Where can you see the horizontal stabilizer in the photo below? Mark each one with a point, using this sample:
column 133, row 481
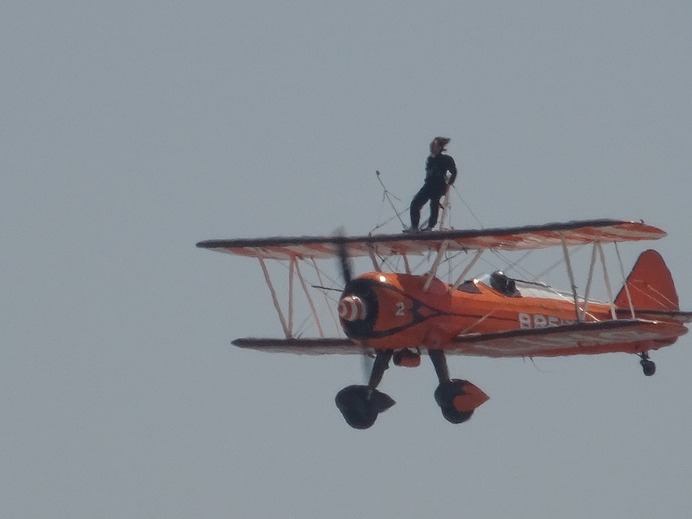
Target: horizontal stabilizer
column 668, row 315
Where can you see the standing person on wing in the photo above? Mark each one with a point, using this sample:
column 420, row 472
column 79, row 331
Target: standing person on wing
column 435, row 185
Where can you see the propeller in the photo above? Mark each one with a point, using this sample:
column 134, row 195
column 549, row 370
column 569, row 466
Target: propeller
column 360, row 404
column 346, row 271
column 344, row 260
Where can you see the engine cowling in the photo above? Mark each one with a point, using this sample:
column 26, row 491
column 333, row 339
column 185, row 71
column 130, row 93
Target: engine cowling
column 358, row 308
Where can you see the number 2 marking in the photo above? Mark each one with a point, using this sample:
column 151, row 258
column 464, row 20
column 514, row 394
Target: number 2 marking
column 400, row 309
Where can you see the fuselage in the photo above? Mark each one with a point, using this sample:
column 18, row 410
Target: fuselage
column 396, row 311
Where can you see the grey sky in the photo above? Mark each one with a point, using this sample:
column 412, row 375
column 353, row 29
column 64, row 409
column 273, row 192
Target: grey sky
column 132, row 130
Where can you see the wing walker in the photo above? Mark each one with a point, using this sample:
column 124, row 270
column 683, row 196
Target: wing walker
column 396, row 316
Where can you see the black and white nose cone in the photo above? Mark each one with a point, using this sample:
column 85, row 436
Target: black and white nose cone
column 352, row 308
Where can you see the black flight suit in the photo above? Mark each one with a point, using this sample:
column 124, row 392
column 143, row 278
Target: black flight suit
column 434, row 188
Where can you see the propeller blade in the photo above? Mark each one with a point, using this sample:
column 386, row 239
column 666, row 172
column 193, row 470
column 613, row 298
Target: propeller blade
column 346, row 269
column 344, row 263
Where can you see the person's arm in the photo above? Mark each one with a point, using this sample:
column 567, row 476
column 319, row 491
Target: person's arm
column 452, row 168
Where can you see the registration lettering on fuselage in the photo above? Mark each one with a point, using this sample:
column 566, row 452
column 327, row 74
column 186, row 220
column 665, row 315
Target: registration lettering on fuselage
column 540, row 320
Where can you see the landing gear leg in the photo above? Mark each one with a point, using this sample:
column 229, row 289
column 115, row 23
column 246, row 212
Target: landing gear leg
column 360, row 405
column 457, row 398
column 648, row 365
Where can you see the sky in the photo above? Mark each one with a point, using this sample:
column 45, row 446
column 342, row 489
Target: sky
column 132, row 130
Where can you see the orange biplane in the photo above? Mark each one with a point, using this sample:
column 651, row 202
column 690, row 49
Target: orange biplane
column 397, row 317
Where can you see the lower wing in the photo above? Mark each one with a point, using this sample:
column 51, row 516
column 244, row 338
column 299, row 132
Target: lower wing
column 622, row 335
column 311, row 346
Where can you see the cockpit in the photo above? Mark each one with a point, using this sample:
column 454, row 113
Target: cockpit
column 503, row 284
column 498, row 281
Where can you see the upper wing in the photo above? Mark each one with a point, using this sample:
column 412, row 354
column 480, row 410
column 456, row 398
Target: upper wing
column 508, row 238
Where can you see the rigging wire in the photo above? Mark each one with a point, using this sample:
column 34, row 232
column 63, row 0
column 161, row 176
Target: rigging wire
column 468, row 207
column 388, row 198
column 516, row 265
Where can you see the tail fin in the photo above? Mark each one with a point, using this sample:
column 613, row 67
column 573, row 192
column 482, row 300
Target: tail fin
column 650, row 285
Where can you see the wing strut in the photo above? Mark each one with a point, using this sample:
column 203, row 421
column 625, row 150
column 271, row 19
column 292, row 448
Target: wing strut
column 606, row 280
column 570, row 273
column 286, row 320
column 287, row 330
column 373, row 258
column 406, row 264
column 310, row 301
column 324, row 294
column 436, row 264
column 291, row 270
column 463, row 275
column 626, row 284
column 588, row 283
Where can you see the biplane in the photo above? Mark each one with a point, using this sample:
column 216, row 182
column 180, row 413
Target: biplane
column 396, row 317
